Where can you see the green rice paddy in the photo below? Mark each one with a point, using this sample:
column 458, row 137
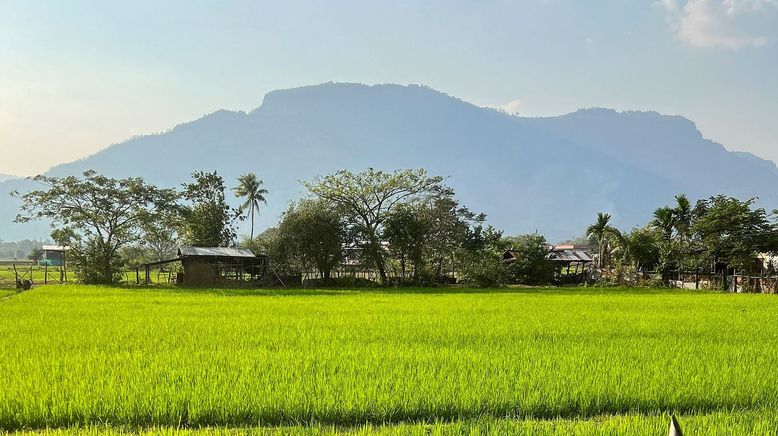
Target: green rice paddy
column 92, row 359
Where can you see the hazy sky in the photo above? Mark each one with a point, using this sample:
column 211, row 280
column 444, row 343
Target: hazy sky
column 76, row 76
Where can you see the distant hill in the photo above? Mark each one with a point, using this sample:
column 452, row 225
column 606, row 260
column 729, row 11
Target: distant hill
column 546, row 174
column 4, row 177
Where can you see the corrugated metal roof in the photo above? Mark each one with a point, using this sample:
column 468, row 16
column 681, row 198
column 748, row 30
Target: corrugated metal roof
column 215, row 251
column 53, row 248
column 570, row 256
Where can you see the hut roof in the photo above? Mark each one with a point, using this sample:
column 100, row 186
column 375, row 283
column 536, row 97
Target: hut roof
column 53, row 248
column 215, row 252
column 570, row 256
column 554, row 255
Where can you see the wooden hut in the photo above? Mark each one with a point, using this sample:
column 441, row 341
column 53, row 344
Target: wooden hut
column 212, row 266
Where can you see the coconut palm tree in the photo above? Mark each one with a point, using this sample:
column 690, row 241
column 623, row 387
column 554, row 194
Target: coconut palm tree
column 682, row 224
column 683, row 215
column 250, row 187
column 600, row 231
column 664, row 221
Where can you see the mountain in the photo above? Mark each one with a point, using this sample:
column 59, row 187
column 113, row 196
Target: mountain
column 4, row 177
column 547, row 174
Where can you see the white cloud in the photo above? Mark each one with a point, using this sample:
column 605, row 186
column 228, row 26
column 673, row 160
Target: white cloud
column 730, row 24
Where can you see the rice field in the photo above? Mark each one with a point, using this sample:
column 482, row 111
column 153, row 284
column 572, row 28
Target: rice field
column 424, row 361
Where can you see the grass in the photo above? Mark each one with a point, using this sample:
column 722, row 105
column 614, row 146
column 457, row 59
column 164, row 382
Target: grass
column 414, row 361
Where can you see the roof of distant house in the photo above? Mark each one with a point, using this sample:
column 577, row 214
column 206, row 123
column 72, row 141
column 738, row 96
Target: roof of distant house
column 215, row 252
column 54, row 248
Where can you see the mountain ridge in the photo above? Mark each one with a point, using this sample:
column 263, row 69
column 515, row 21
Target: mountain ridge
column 546, row 173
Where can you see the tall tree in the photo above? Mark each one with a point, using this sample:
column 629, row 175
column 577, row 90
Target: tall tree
column 313, row 233
column 531, row 265
column 600, row 231
column 208, row 219
column 682, row 223
column 732, row 232
column 250, row 188
column 427, row 233
column 97, row 216
column 638, row 247
column 368, row 198
column 664, row 221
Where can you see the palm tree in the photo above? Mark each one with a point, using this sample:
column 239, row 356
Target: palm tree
column 682, row 224
column 250, row 187
column 600, row 231
column 683, row 215
column 664, row 221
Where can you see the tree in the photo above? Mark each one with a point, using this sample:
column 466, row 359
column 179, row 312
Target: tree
column 250, row 188
column 682, row 213
column 406, row 231
column 96, row 216
column 208, row 218
column 732, row 232
column 638, row 247
column 600, row 231
column 664, row 222
column 427, row 233
column 481, row 257
column 531, row 265
column 369, row 197
column 313, row 233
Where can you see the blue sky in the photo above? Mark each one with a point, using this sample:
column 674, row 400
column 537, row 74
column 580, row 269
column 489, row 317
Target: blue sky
column 77, row 76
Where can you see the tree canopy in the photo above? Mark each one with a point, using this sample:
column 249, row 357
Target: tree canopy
column 368, row 197
column 96, row 216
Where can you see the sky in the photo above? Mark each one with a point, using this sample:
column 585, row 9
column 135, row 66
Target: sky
column 77, row 76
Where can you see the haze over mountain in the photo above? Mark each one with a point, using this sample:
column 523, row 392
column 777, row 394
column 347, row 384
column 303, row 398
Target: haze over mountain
column 547, row 174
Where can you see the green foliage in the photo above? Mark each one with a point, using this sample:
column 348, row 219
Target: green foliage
column 601, row 231
column 96, row 216
column 531, row 266
column 369, row 197
column 208, row 219
column 280, row 255
column 427, row 234
column 92, row 262
column 719, row 233
column 733, row 232
column 481, row 258
column 250, row 188
column 617, row 360
column 639, row 248
column 312, row 235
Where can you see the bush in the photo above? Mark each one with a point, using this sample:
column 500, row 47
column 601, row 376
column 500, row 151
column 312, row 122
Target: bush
column 484, row 271
column 95, row 264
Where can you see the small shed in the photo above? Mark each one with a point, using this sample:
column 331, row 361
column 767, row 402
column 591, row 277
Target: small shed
column 210, row 266
column 563, row 257
column 52, row 255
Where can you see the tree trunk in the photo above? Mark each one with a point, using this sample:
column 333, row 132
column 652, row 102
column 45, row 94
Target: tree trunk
column 251, row 237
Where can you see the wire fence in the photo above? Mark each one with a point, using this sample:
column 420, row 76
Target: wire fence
column 14, row 272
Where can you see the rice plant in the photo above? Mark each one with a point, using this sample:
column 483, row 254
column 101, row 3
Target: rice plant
column 589, row 361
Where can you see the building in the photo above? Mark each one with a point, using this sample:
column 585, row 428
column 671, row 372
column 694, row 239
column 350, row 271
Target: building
column 563, row 257
column 52, row 255
column 212, row 266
